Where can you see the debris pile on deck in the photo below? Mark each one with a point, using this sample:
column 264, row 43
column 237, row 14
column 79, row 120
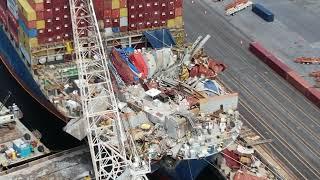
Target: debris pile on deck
column 173, row 107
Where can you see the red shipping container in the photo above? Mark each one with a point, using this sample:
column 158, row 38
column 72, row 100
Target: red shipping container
column 132, row 27
column 156, row 5
column 57, row 20
column 3, row 17
column 66, row 18
column 156, row 15
column 3, row 5
column 124, row 29
column 278, row 66
column 99, row 14
column 98, row 4
column 107, row 13
column 67, row 26
column 140, row 17
column 48, row 14
column 133, row 18
column 42, row 40
column 49, row 32
column 163, row 6
column 67, row 36
column 178, row 3
column 115, row 13
column 171, row 5
column 12, row 20
column 147, row 15
column 132, row 2
column 156, row 23
column 116, row 22
column 148, row 6
column 259, row 51
column 298, row 82
column 132, row 8
column 107, row 23
column 140, row 25
column 98, row 7
column 171, row 14
column 313, row 95
column 140, row 8
column 40, row 15
column 59, row 37
column 148, row 24
column 47, row 4
column 163, row 23
column 178, row 11
column 36, row 6
column 59, row 3
column 164, row 15
column 107, row 4
column 123, row 3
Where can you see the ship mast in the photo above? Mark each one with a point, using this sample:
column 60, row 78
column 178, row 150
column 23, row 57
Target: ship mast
column 112, row 148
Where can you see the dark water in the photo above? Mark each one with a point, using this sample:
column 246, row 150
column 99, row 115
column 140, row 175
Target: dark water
column 35, row 116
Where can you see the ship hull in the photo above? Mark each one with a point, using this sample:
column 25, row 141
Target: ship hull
column 10, row 58
column 183, row 169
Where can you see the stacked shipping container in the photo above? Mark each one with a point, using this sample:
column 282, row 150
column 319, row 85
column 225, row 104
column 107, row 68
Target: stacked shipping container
column 154, row 13
column 123, row 15
column 32, row 23
column 56, row 14
column 43, row 21
column 9, row 16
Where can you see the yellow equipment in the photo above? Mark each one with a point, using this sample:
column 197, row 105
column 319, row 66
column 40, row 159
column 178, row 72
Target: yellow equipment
column 69, row 48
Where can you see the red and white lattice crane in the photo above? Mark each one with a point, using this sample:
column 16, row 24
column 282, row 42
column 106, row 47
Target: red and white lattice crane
column 113, row 152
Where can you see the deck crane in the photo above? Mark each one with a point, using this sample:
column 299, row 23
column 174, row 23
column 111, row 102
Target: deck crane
column 113, row 152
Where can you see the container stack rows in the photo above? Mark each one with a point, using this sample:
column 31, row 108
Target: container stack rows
column 127, row 15
column 112, row 15
column 8, row 16
column 34, row 23
column 154, row 13
column 56, row 14
column 42, row 22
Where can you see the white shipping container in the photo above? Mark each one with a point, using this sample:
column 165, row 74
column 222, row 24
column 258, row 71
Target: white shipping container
column 51, row 58
column 108, row 31
column 123, row 21
column 13, row 8
column 59, row 57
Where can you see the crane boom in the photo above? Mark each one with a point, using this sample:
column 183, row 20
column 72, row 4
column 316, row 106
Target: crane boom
column 110, row 145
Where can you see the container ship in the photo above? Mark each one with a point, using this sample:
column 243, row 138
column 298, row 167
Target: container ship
column 169, row 97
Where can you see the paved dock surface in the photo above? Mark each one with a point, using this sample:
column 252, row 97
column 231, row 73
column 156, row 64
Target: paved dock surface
column 269, row 105
column 292, row 34
column 70, row 164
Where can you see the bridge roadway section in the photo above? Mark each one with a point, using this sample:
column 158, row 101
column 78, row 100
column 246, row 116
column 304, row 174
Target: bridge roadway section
column 269, row 105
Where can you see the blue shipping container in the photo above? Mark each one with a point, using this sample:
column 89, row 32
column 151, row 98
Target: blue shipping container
column 115, row 29
column 263, row 12
column 30, row 32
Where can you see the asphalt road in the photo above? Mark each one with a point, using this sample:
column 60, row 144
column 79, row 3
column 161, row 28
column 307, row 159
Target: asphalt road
column 268, row 104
